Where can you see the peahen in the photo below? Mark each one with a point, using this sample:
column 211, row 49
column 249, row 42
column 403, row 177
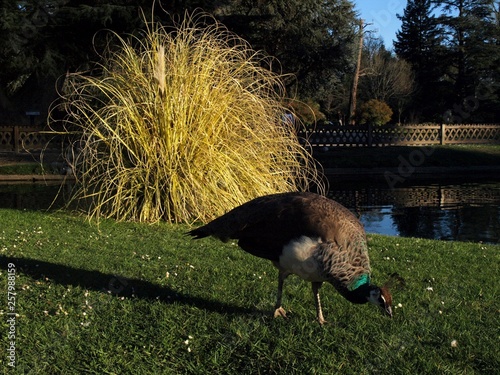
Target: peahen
column 307, row 235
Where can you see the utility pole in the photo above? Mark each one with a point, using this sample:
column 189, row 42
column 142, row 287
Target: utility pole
column 354, row 89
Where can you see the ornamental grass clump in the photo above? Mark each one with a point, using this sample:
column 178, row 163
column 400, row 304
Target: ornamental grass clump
column 181, row 125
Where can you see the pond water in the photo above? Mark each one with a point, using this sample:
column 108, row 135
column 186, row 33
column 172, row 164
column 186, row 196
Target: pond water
column 463, row 211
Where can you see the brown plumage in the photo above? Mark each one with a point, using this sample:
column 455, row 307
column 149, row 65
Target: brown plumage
column 308, row 235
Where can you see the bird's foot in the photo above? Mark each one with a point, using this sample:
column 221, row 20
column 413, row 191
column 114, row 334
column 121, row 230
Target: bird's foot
column 321, row 320
column 280, row 311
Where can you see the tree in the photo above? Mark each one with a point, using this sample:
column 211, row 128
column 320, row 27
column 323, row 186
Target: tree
column 312, row 40
column 455, row 57
column 386, row 77
column 419, row 43
column 419, row 35
column 43, row 39
column 470, row 29
column 375, row 112
column 21, row 51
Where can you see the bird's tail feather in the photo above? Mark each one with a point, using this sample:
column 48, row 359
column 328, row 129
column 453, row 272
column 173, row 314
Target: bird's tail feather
column 198, row 233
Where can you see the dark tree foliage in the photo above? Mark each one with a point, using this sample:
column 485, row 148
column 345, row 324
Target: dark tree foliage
column 22, row 49
column 470, row 29
column 420, row 43
column 312, row 39
column 43, row 39
column 453, row 47
column 419, row 35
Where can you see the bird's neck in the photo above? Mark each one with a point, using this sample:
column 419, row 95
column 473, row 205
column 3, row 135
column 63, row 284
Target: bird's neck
column 359, row 295
column 358, row 292
column 359, row 281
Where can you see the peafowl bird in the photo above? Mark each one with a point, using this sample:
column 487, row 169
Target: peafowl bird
column 307, row 235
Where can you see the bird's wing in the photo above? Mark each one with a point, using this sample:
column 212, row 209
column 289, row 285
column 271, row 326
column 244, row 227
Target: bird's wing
column 265, row 224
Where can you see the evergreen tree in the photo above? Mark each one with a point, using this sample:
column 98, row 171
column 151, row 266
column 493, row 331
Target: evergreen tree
column 419, row 43
column 419, row 35
column 473, row 55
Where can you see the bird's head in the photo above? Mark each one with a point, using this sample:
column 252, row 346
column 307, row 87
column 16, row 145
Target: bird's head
column 380, row 296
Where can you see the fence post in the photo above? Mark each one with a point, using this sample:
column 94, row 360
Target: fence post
column 442, row 141
column 370, row 129
column 16, row 138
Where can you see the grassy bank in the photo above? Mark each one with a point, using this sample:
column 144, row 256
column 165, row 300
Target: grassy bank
column 390, row 157
column 128, row 298
column 33, row 163
column 338, row 157
column 30, row 168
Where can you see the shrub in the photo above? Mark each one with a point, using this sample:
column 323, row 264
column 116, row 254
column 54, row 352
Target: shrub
column 375, row 112
column 181, row 125
column 307, row 111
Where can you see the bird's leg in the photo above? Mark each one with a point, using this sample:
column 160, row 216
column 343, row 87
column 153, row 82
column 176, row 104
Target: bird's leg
column 319, row 312
column 280, row 311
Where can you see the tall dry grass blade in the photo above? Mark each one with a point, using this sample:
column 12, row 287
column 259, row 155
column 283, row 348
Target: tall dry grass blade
column 159, row 70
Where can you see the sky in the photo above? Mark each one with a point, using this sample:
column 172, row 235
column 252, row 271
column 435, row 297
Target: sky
column 382, row 15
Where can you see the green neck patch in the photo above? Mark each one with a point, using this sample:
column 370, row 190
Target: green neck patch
column 361, row 280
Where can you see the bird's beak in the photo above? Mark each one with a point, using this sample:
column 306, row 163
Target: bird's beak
column 388, row 310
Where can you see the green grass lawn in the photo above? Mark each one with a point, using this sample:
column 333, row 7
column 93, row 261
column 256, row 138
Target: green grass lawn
column 127, row 298
column 347, row 157
column 23, row 168
column 390, row 157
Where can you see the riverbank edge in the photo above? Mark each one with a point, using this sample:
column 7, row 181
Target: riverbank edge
column 413, row 172
column 345, row 173
column 35, row 178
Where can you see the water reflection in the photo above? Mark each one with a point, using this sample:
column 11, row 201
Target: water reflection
column 464, row 212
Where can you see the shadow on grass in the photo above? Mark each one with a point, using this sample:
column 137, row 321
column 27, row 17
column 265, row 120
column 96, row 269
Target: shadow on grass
column 114, row 284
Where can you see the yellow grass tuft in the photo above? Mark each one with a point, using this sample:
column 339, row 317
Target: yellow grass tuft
column 182, row 125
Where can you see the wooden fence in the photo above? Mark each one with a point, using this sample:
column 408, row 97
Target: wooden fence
column 405, row 135
column 19, row 138
column 29, row 138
